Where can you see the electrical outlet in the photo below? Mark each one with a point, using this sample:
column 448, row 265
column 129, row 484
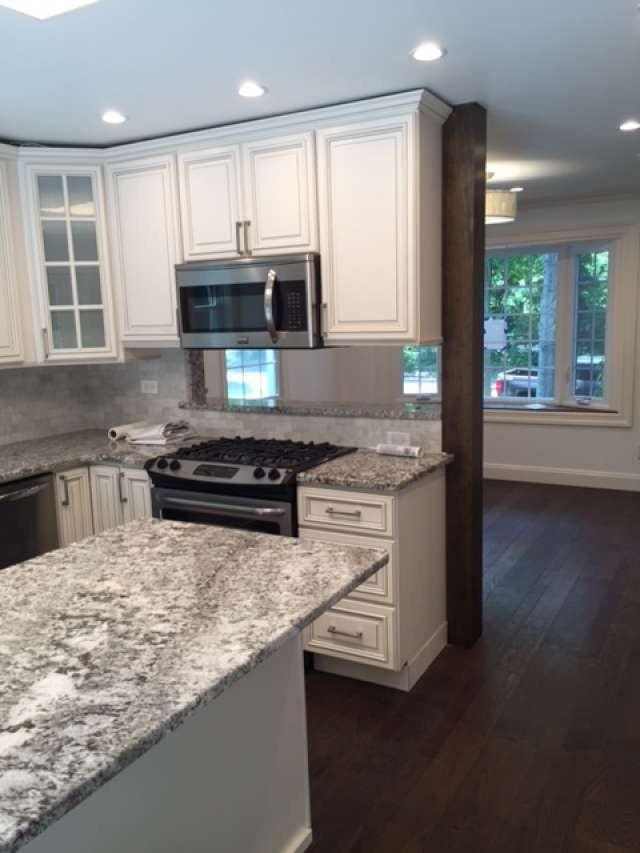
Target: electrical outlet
column 398, row 438
column 149, row 386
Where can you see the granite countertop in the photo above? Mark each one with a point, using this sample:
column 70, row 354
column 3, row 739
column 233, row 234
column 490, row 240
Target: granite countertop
column 109, row 644
column 411, row 410
column 373, row 472
column 59, row 452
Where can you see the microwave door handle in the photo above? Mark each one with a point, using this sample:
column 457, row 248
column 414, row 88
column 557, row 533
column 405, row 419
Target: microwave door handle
column 272, row 280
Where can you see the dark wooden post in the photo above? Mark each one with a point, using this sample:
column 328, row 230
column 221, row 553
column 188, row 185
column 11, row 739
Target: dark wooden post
column 464, row 168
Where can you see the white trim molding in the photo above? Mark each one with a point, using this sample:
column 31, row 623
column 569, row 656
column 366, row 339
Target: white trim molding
column 621, row 330
column 581, row 477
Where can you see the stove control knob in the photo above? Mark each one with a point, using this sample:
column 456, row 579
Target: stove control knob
column 258, row 473
column 174, row 465
column 162, row 463
column 274, row 474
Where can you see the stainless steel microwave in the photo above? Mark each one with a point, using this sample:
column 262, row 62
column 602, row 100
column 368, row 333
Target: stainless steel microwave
column 256, row 303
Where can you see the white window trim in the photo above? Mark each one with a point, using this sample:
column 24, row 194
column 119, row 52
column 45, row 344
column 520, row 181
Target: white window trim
column 621, row 327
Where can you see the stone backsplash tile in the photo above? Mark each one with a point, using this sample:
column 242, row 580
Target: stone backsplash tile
column 40, row 401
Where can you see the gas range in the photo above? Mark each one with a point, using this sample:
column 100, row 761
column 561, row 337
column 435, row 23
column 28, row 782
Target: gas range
column 241, row 461
column 248, row 483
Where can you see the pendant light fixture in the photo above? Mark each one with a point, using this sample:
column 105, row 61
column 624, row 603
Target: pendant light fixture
column 500, row 206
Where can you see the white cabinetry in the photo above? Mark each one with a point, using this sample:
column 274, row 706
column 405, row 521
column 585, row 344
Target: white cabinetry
column 66, row 245
column 119, row 495
column 73, row 498
column 144, row 228
column 392, row 627
column 379, row 190
column 257, row 198
column 11, row 351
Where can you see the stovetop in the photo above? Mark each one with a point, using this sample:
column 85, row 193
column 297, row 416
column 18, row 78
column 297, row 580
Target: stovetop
column 238, row 461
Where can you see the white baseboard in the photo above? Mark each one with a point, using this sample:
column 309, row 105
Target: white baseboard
column 563, row 476
column 402, row 679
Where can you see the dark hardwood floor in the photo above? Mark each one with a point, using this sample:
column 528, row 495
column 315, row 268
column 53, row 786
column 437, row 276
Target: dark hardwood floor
column 530, row 741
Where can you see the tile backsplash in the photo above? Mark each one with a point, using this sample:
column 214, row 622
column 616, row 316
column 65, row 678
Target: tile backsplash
column 40, row 401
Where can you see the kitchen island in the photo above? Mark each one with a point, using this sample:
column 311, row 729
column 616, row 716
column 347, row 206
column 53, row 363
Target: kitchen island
column 151, row 689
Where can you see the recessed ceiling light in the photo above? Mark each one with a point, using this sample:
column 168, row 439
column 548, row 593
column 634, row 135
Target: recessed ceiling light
column 630, row 124
column 517, row 189
column 428, row 51
column 251, row 89
column 113, row 117
column 43, row 9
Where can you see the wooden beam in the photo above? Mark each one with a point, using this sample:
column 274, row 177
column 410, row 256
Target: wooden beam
column 464, row 168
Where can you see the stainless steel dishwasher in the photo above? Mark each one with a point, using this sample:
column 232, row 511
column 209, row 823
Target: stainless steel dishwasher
column 27, row 519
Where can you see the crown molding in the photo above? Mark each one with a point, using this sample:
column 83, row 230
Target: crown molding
column 414, row 100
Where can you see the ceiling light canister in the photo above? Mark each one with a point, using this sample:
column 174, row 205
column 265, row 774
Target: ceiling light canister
column 251, row 89
column 113, row 117
column 428, row 51
column 629, row 125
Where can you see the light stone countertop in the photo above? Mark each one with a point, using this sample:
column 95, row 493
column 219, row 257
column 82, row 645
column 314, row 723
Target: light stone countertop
column 59, row 452
column 109, row 644
column 373, row 472
column 363, row 469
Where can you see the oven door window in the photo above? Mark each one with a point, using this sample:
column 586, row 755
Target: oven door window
column 195, row 517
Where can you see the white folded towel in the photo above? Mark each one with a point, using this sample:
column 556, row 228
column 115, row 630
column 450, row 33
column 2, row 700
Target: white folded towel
column 163, row 433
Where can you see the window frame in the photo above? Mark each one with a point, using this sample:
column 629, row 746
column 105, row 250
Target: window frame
column 416, row 398
column 617, row 409
column 261, row 401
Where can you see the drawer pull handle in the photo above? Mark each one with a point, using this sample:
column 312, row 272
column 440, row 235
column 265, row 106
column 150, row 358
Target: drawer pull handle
column 355, row 635
column 351, row 513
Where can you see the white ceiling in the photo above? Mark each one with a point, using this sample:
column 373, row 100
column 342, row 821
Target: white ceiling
column 557, row 76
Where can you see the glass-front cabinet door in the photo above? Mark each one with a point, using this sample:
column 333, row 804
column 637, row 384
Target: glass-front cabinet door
column 74, row 286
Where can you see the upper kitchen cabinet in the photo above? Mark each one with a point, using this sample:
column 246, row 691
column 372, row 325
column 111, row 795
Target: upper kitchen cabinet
column 379, row 188
column 253, row 198
column 11, row 351
column 143, row 217
column 66, row 247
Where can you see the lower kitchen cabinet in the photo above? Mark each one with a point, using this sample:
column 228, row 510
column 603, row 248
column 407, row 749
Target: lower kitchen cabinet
column 119, row 495
column 391, row 628
column 73, row 504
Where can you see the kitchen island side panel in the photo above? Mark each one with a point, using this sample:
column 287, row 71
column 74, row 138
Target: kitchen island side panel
column 233, row 777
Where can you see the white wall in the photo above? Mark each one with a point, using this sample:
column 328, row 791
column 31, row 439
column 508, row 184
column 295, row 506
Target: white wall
column 601, row 456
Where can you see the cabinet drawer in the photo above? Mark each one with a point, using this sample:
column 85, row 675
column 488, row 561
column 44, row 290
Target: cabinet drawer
column 379, row 588
column 354, row 631
column 356, row 511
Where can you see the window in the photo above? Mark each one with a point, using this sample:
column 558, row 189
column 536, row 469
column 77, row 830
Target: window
column 72, row 267
column 545, row 324
column 252, row 375
column 421, row 371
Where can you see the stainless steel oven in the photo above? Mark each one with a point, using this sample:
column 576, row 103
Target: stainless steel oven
column 260, row 514
column 256, row 303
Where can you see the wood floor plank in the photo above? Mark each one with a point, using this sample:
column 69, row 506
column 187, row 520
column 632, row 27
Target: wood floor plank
column 529, row 741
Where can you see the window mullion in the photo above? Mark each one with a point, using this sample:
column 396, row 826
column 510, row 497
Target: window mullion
column 564, row 327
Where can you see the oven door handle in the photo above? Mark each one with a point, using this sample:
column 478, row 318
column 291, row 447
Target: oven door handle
column 225, row 509
column 272, row 280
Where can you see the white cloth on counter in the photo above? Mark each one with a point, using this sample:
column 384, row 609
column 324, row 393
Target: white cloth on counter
column 143, row 432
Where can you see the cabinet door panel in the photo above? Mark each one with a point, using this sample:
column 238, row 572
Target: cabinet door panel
column 10, row 339
column 210, row 202
column 364, row 227
column 144, row 226
column 137, row 491
column 73, row 493
column 280, row 194
column 107, row 509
